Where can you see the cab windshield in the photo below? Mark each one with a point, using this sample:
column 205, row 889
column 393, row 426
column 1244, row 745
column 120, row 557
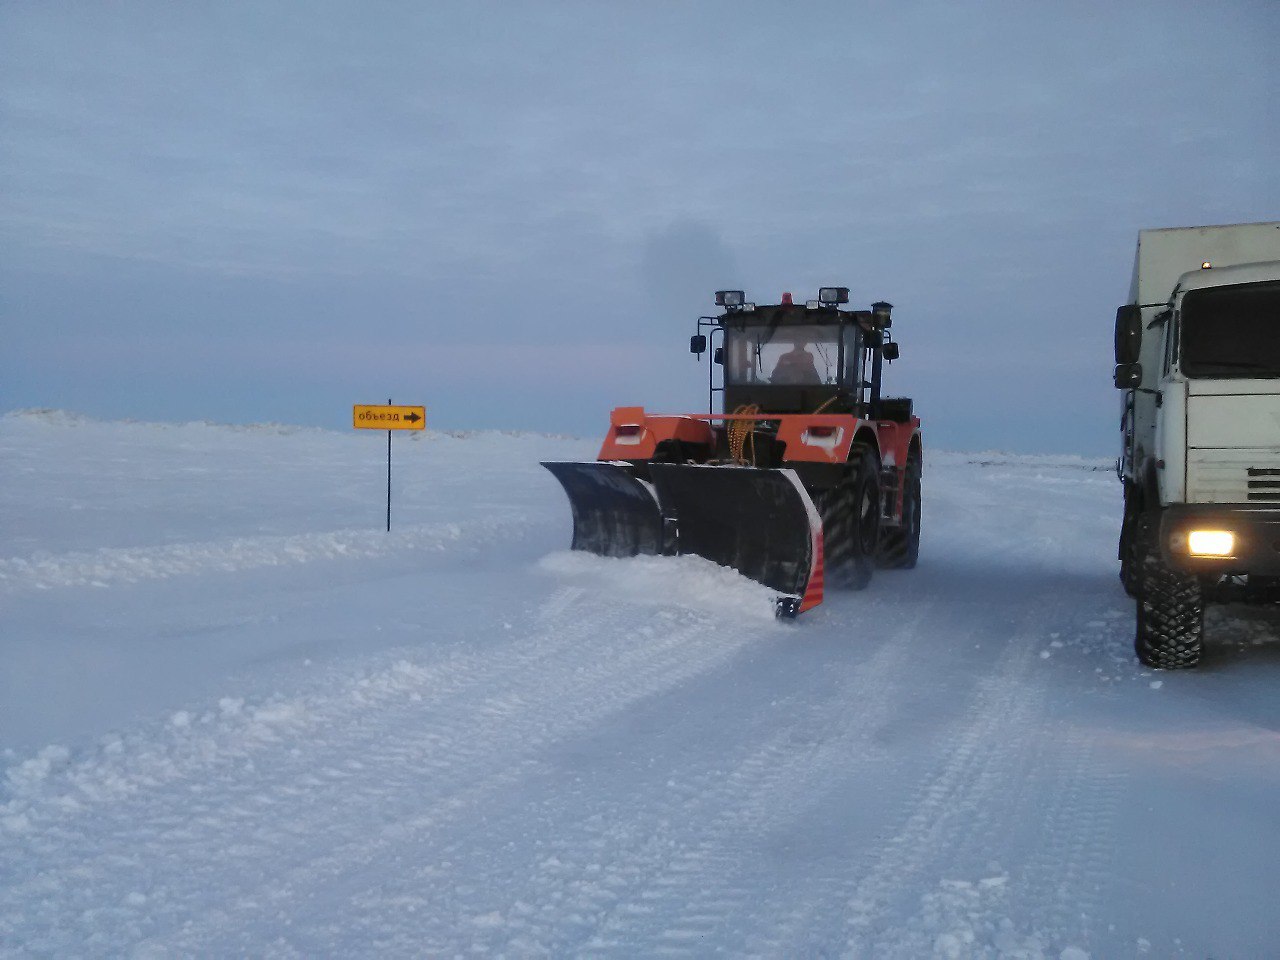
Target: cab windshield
column 1232, row 331
column 792, row 355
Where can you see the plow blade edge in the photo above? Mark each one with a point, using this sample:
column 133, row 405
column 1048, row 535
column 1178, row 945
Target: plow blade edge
column 762, row 523
column 614, row 514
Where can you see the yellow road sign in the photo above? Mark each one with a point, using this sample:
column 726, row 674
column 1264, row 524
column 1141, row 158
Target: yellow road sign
column 383, row 416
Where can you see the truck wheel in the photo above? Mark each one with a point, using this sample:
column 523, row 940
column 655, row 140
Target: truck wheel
column 1134, row 545
column 851, row 526
column 1170, row 632
column 900, row 546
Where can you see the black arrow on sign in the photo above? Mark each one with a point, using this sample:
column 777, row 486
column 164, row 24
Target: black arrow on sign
column 412, row 417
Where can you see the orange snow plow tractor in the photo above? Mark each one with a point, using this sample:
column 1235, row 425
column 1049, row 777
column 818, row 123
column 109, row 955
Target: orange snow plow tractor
column 807, row 479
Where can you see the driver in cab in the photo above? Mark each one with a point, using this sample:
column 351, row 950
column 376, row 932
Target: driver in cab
column 796, row 366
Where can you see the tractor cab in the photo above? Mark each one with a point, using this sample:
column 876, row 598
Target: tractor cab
column 797, row 358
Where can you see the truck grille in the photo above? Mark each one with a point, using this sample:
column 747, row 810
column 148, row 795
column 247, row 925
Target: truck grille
column 1264, row 483
column 1233, row 476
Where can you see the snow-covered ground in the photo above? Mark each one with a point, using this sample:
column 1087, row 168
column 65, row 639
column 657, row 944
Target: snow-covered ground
column 237, row 717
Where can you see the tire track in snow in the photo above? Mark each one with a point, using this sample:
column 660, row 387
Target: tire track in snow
column 706, row 899
column 1058, row 887
column 996, row 776
column 366, row 792
column 703, row 888
column 1054, row 893
column 949, row 808
column 806, row 914
column 697, row 881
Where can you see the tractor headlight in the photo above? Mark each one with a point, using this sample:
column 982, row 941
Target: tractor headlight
column 830, row 296
column 1211, row 543
column 729, row 298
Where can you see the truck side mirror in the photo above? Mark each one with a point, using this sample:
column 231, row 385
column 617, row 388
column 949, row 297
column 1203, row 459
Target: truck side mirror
column 1128, row 376
column 890, row 350
column 1128, row 334
column 718, row 356
column 698, row 344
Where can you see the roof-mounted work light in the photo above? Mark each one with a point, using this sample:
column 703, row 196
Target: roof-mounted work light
column 730, row 299
column 882, row 314
column 830, row 296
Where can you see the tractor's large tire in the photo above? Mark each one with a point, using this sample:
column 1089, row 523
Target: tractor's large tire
column 851, row 526
column 834, row 506
column 900, row 545
column 1170, row 634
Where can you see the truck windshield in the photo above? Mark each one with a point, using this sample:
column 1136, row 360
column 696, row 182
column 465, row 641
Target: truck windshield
column 799, row 354
column 1232, row 331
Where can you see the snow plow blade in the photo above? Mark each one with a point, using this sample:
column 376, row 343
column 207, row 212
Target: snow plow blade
column 761, row 523
column 614, row 514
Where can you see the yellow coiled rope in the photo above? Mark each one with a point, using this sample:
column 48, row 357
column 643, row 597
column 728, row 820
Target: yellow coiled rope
column 742, row 434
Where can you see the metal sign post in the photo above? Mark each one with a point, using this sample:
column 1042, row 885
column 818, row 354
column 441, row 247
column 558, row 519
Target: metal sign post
column 388, row 475
column 367, row 416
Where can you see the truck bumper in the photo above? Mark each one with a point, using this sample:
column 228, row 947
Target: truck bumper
column 1256, row 530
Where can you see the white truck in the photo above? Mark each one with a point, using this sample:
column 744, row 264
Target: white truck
column 1198, row 361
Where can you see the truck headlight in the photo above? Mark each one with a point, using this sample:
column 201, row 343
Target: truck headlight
column 1211, row 543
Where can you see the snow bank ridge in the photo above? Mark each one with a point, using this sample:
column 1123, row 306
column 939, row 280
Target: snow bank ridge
column 52, row 782
column 224, row 737
column 109, row 566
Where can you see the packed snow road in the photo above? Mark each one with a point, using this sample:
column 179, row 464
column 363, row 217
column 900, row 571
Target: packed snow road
column 239, row 719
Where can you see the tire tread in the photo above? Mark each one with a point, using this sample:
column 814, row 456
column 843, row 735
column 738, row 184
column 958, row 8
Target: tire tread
column 1170, row 632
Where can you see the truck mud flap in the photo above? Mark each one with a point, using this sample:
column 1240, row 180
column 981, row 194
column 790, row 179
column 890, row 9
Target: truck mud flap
column 762, row 523
column 614, row 513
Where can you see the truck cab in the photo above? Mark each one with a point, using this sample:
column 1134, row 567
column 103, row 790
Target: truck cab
column 1198, row 359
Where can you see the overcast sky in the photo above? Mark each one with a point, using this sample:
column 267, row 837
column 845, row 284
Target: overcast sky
column 514, row 212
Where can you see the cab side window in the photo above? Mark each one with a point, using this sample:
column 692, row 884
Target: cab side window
column 852, row 358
